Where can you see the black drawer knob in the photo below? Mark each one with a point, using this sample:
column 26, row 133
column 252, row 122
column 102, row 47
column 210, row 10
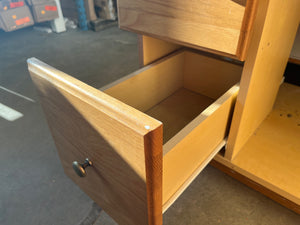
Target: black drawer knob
column 79, row 168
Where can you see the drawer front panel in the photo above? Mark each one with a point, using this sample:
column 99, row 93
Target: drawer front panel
column 213, row 24
column 86, row 123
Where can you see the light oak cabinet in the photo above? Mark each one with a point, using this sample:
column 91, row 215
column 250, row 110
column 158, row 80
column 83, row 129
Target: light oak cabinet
column 149, row 134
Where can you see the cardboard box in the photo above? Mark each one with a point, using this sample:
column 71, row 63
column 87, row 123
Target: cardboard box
column 44, row 12
column 16, row 18
column 16, row 3
column 106, row 9
column 69, row 9
column 10, row 4
column 4, row 5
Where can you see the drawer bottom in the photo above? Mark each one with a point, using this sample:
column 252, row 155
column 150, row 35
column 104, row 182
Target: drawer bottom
column 178, row 110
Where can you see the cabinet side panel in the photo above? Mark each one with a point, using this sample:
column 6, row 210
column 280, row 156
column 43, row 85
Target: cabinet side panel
column 273, row 35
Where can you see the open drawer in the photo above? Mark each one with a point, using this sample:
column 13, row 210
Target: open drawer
column 147, row 135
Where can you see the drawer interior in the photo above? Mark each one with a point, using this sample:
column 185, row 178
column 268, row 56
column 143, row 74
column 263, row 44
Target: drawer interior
column 193, row 96
column 178, row 109
column 176, row 89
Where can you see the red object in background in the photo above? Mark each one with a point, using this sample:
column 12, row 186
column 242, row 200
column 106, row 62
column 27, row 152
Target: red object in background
column 50, row 8
column 16, row 4
column 22, row 21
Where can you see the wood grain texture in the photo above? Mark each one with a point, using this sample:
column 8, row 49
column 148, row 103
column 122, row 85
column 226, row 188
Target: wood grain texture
column 153, row 142
column 212, row 24
column 124, row 145
column 246, row 29
column 152, row 49
column 265, row 63
column 271, row 156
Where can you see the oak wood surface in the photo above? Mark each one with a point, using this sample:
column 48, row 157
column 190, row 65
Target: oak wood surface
column 213, row 24
column 264, row 66
column 153, row 142
column 246, row 29
column 124, row 145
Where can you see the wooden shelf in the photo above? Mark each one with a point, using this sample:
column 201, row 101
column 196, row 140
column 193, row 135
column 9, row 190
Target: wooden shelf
column 271, row 157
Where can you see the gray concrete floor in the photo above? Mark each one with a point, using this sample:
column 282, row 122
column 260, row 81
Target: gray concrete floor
column 34, row 189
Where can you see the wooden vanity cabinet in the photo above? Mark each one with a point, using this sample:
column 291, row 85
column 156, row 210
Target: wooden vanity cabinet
column 149, row 134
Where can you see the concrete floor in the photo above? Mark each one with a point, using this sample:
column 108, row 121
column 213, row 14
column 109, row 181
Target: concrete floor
column 34, row 189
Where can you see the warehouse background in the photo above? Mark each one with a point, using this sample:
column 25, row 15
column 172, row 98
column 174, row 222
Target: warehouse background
column 87, row 14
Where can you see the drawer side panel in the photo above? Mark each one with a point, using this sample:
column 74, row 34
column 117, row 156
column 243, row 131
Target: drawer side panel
column 191, row 147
